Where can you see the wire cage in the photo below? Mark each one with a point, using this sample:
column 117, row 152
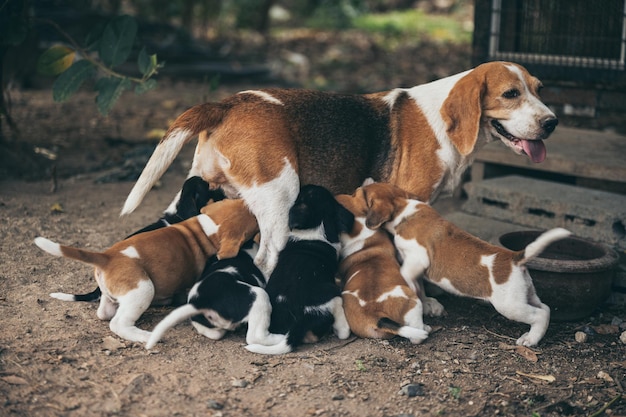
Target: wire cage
column 568, row 40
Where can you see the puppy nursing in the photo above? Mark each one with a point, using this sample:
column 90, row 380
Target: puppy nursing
column 377, row 301
column 229, row 294
column 152, row 267
column 458, row 262
column 306, row 301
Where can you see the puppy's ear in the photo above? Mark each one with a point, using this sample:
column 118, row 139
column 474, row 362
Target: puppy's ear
column 345, row 219
column 462, row 110
column 379, row 210
column 229, row 248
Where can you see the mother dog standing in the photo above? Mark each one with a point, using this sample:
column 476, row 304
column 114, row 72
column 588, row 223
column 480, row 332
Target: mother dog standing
column 260, row 145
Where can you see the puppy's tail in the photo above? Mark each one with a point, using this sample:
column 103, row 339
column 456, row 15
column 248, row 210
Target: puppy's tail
column 185, row 127
column 414, row 334
column 93, row 258
column 176, row 316
column 280, row 348
column 542, row 242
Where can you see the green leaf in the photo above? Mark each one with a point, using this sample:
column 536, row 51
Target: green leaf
column 145, row 86
column 117, row 40
column 147, row 64
column 109, row 90
column 92, row 40
column 70, row 80
column 55, row 60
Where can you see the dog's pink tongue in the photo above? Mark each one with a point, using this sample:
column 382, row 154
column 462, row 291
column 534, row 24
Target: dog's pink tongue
column 535, row 149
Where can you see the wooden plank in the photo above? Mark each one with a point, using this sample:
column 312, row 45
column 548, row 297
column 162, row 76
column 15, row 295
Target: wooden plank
column 577, row 152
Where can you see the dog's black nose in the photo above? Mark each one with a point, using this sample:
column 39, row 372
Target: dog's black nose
column 550, row 124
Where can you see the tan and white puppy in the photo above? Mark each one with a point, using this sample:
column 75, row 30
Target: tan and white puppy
column 260, row 145
column 377, row 301
column 458, row 262
column 152, row 267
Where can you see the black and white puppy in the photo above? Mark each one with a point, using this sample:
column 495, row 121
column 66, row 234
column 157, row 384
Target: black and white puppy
column 194, row 195
column 229, row 293
column 306, row 301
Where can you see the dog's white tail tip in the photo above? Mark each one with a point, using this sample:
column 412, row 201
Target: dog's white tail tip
column 544, row 240
column 63, row 296
column 49, row 246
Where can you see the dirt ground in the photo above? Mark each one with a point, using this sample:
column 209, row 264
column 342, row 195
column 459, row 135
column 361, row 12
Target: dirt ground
column 58, row 359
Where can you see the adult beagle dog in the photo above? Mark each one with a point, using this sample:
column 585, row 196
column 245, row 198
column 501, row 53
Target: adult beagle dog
column 260, row 145
column 460, row 263
column 150, row 268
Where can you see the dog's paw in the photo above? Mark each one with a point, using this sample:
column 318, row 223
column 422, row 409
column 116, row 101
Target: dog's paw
column 433, row 308
column 526, row 340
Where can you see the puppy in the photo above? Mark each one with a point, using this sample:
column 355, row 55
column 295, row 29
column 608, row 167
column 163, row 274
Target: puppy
column 229, row 294
column 306, row 301
column 152, row 267
column 377, row 301
column 457, row 261
column 194, row 195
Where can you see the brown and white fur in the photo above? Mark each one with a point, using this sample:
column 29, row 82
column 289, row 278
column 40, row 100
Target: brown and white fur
column 458, row 262
column 377, row 301
column 260, row 145
column 152, row 267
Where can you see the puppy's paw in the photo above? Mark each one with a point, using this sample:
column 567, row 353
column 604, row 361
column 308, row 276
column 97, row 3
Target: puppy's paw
column 526, row 340
column 433, row 308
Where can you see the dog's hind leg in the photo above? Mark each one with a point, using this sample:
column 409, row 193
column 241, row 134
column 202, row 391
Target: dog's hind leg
column 340, row 325
column 131, row 306
column 259, row 320
column 270, row 203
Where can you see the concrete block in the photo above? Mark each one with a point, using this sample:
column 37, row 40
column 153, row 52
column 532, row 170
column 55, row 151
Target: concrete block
column 538, row 204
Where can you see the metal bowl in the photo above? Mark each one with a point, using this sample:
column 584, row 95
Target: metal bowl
column 572, row 276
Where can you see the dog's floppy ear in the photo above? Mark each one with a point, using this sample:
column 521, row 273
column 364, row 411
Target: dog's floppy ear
column 379, row 210
column 345, row 219
column 229, row 248
column 462, row 110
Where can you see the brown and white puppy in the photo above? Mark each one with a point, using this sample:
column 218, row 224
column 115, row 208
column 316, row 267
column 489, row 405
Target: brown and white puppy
column 152, row 267
column 377, row 301
column 458, row 262
column 260, row 145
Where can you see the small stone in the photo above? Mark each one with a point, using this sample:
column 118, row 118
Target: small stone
column 622, row 337
column 581, row 337
column 215, row 405
column 412, row 390
column 239, row 383
column 616, row 321
column 604, row 376
column 338, row 397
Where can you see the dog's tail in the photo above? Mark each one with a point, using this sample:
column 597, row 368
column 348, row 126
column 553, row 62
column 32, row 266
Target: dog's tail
column 185, row 127
column 535, row 248
column 176, row 316
column 89, row 297
column 92, row 258
column 414, row 334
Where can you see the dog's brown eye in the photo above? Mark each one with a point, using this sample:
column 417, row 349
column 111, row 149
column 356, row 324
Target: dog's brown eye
column 512, row 93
